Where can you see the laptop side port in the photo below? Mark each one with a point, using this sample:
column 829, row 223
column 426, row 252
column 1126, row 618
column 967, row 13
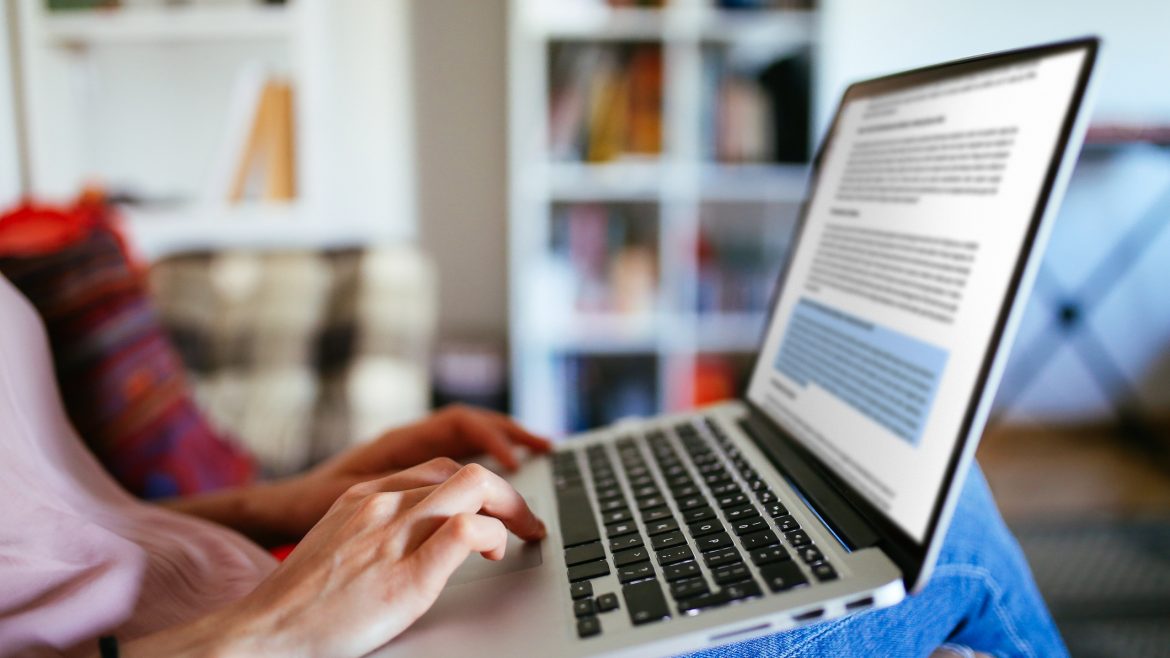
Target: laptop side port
column 815, row 613
column 867, row 602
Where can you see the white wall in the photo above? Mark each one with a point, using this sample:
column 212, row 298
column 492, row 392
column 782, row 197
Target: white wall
column 9, row 169
column 862, row 38
column 461, row 144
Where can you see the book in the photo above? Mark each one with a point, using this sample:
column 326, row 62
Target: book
column 605, row 101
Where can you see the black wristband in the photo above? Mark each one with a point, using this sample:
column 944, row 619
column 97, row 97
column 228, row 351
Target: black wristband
column 108, row 646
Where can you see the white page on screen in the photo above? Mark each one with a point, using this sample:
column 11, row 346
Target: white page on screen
column 913, row 232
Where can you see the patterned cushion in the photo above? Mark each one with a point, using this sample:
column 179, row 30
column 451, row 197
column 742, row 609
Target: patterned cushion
column 301, row 353
column 123, row 385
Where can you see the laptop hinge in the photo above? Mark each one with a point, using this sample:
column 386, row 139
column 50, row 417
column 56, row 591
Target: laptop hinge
column 833, row 508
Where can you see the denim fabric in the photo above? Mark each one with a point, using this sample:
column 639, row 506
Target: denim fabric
column 981, row 596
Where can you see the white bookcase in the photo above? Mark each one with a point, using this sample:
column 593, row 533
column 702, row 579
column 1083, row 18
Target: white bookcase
column 146, row 97
column 687, row 192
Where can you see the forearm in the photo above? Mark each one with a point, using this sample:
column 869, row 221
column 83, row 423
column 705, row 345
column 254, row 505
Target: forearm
column 247, row 510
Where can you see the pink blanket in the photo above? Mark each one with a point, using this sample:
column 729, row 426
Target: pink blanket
column 80, row 557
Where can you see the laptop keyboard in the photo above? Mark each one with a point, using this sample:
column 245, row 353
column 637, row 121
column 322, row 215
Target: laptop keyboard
column 679, row 561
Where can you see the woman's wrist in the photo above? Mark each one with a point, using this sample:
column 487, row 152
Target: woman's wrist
column 227, row 633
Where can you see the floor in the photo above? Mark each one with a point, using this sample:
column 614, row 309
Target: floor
column 1092, row 512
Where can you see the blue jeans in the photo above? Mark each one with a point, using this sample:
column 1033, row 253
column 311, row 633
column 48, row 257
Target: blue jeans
column 981, row 597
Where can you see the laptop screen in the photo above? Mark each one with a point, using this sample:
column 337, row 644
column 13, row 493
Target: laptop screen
column 914, row 229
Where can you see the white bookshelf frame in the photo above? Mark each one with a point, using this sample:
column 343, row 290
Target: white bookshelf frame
column 678, row 182
column 313, row 37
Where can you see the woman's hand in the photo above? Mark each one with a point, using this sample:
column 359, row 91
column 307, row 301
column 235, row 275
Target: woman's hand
column 290, row 507
column 373, row 565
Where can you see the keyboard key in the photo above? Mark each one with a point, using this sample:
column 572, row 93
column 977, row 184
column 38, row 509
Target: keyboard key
column 659, row 527
column 619, row 529
column 766, row 497
column 647, row 490
column 667, row 540
column 613, row 505
column 607, row 602
column 776, row 509
column 809, row 554
column 713, row 479
column 588, row 627
column 581, row 590
column 606, row 483
column 578, row 525
column 722, row 557
column 690, row 588
column 742, row 528
column 729, row 488
column 681, row 570
column 584, row 553
column 645, row 602
column 692, row 502
column 622, row 543
column 724, row 596
column 745, row 590
column 798, row 538
column 740, row 513
column 684, row 491
column 650, row 502
column 731, row 574
column 676, row 554
column 704, row 528
column 787, row 524
column 588, row 570
column 656, row 514
column 780, row 576
column 616, row 516
column 584, row 608
column 698, row 514
column 642, row 481
column 731, row 500
column 635, row 571
column 759, row 539
column 630, row 556
column 713, row 542
column 769, row 555
column 823, row 571
column 678, row 480
column 608, row 493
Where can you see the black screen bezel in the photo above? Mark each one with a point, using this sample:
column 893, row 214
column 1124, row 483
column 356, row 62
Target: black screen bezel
column 909, row 553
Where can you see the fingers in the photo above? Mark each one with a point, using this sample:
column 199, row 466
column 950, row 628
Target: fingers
column 488, row 438
column 474, row 489
column 434, row 471
column 521, row 435
column 443, row 552
column 496, row 433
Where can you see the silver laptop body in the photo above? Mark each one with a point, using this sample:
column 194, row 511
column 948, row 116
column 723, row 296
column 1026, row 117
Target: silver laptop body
column 808, row 521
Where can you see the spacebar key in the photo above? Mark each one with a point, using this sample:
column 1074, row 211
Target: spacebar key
column 645, row 602
column 578, row 525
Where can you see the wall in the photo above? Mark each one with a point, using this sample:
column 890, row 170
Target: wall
column 861, row 38
column 9, row 169
column 461, row 120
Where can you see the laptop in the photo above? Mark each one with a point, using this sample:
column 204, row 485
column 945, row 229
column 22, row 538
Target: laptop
column 827, row 489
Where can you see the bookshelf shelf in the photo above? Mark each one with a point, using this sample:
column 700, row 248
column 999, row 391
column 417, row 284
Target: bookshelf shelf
column 593, row 21
column 660, row 120
column 614, row 181
column 168, row 24
column 775, row 26
column 753, row 182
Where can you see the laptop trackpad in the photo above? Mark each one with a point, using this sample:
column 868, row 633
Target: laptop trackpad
column 519, row 555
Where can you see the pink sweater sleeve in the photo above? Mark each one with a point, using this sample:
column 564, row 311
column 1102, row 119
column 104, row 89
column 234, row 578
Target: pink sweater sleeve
column 80, row 557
